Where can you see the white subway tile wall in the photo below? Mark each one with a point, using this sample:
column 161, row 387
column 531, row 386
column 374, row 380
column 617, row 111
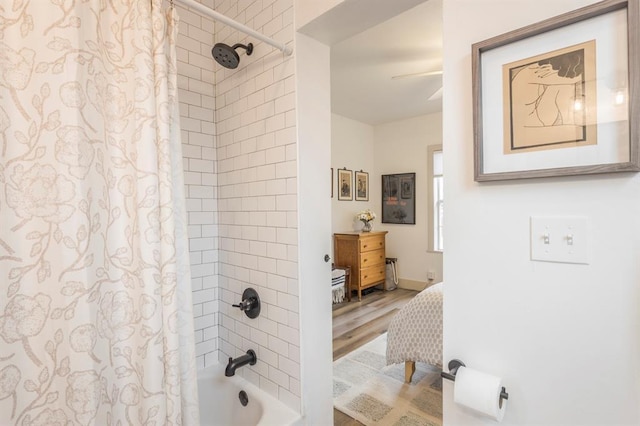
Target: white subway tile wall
column 240, row 157
column 197, row 111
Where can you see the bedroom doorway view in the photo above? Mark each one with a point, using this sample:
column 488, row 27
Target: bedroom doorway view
column 386, row 120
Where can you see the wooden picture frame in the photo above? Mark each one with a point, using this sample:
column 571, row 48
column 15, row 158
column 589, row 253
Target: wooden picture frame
column 361, row 186
column 399, row 198
column 534, row 117
column 345, row 185
column 332, row 182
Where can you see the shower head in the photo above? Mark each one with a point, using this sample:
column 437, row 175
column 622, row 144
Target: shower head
column 227, row 56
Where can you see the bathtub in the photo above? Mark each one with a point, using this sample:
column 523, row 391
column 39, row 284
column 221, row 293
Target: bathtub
column 220, row 402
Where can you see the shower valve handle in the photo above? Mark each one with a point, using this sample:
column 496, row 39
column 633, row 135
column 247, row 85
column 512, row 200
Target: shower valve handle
column 250, row 304
column 246, row 304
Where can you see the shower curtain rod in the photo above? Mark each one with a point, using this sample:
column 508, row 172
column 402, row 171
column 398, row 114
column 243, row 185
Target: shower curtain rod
column 230, row 22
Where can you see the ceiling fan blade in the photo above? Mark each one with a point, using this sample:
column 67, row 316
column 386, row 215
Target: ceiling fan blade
column 417, row 74
column 436, row 95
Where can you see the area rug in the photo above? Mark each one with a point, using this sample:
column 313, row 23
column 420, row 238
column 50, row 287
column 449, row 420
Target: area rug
column 368, row 390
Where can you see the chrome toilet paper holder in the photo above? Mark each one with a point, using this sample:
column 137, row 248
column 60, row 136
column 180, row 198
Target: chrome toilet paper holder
column 454, row 364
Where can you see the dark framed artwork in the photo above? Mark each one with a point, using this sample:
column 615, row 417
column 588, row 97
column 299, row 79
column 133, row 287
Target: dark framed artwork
column 362, row 186
column 345, row 179
column 399, row 198
column 558, row 98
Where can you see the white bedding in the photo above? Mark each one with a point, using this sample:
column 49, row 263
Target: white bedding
column 415, row 332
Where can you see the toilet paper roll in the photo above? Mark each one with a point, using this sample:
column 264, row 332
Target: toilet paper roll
column 480, row 392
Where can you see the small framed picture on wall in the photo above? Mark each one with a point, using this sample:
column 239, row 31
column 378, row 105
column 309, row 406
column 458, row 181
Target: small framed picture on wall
column 345, row 177
column 362, row 186
column 332, row 182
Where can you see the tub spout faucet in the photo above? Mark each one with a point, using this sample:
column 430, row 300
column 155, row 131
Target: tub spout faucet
column 248, row 358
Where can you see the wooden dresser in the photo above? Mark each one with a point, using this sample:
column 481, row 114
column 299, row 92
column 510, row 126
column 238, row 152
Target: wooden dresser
column 364, row 253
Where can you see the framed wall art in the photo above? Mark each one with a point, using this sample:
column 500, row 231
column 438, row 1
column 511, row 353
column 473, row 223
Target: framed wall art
column 332, row 182
column 399, row 198
column 362, row 186
column 559, row 97
column 345, row 179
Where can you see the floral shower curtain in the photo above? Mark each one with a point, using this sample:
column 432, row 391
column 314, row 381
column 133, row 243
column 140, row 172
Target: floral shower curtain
column 95, row 302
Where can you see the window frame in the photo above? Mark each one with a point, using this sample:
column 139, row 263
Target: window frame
column 432, row 218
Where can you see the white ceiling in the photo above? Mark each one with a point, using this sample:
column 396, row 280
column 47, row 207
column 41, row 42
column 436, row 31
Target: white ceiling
column 362, row 65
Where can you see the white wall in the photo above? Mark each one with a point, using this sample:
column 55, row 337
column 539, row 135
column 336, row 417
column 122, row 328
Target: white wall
column 565, row 338
column 396, row 147
column 239, row 144
column 313, row 100
column 256, row 149
column 401, row 147
column 352, row 146
column 197, row 105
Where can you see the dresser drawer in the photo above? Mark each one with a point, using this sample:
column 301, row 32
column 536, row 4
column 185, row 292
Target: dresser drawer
column 371, row 275
column 372, row 258
column 372, row 243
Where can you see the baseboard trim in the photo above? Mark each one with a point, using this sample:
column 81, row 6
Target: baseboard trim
column 412, row 285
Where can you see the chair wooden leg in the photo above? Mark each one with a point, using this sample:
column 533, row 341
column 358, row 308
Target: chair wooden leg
column 409, row 369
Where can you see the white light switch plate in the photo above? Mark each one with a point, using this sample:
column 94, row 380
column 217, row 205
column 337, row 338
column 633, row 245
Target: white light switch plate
column 560, row 239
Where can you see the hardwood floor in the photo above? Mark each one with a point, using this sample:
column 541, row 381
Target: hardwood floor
column 356, row 323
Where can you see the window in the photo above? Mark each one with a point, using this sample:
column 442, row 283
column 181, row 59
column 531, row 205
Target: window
column 436, row 198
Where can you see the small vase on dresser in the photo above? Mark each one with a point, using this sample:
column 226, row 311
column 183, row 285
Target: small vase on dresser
column 366, row 217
